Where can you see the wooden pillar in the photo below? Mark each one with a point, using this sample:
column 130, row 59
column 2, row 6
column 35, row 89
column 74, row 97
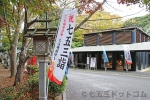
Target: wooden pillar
column 78, row 57
column 98, row 40
column 139, row 60
column 95, row 61
column 46, row 19
column 114, row 56
column 133, row 36
column 124, row 65
column 133, row 65
column 85, row 57
column 98, row 60
column 143, row 60
column 89, row 60
column 75, row 59
column 100, row 55
column 146, row 60
column 114, row 38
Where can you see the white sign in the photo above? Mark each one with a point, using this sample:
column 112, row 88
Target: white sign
column 93, row 62
column 127, row 54
column 62, row 45
column 87, row 60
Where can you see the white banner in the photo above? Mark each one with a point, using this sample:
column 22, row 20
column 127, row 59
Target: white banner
column 62, row 44
column 127, row 54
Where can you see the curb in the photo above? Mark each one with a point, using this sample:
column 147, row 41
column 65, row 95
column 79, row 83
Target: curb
column 129, row 74
column 135, row 74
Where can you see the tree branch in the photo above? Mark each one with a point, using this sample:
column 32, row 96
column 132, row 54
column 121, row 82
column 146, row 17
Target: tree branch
column 78, row 26
column 35, row 20
column 29, row 24
column 26, row 58
column 29, row 44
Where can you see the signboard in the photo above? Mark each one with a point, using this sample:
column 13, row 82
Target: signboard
column 87, row 60
column 93, row 62
column 62, row 46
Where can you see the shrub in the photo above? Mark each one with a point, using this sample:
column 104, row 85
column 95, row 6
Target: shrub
column 14, row 93
column 34, row 80
column 35, row 67
column 32, row 69
column 55, row 89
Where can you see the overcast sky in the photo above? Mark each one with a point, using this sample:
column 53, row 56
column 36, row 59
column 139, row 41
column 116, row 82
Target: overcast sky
column 123, row 10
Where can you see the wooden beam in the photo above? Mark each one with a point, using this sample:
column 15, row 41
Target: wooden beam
column 35, row 20
column 42, row 29
column 47, row 32
column 33, row 32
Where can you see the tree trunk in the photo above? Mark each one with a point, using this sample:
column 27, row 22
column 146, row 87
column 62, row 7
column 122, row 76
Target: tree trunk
column 22, row 57
column 88, row 17
column 12, row 55
column 21, row 65
column 13, row 48
column 13, row 51
column 20, row 68
column 19, row 75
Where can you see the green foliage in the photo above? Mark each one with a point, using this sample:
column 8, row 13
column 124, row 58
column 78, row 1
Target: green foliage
column 5, row 41
column 55, row 89
column 34, row 80
column 7, row 94
column 141, row 22
column 36, row 68
column 77, row 39
column 13, row 93
column 9, row 12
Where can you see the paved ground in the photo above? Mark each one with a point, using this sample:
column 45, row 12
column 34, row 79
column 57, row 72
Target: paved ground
column 110, row 85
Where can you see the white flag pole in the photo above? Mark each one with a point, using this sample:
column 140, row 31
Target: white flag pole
column 104, row 66
column 126, row 68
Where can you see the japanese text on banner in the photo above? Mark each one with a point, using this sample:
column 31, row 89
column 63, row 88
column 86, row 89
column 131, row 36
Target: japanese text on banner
column 63, row 44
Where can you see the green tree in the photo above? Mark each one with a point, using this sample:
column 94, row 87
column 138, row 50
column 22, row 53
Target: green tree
column 141, row 22
column 4, row 41
column 13, row 13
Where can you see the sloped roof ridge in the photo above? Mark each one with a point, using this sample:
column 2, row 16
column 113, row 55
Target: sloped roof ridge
column 117, row 29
